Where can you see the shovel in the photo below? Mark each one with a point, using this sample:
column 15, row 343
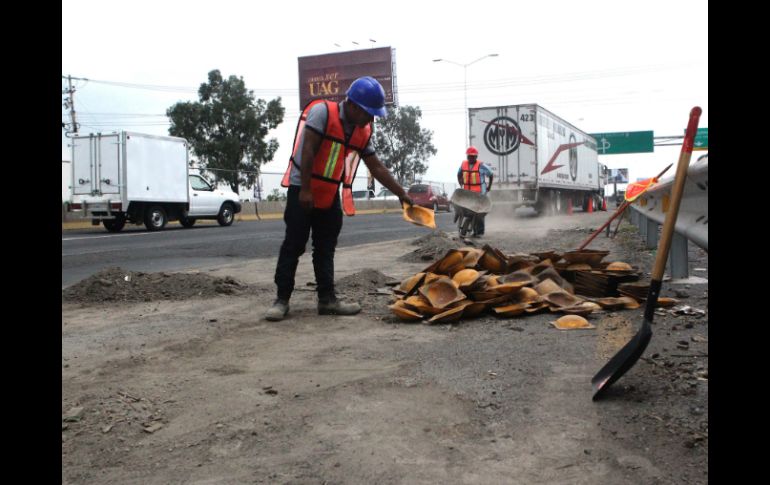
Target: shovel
column 616, row 214
column 630, row 353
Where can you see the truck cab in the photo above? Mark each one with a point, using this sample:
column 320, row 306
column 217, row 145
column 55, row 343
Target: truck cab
column 209, row 202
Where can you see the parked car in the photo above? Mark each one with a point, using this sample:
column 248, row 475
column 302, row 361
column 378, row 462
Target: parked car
column 430, row 196
column 385, row 194
column 360, row 195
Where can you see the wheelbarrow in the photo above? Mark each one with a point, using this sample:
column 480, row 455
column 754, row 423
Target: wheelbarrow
column 469, row 208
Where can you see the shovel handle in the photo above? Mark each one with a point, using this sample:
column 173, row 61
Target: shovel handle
column 632, row 351
column 617, row 213
column 676, row 195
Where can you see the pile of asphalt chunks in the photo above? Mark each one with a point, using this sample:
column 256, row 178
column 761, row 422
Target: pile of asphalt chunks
column 468, row 282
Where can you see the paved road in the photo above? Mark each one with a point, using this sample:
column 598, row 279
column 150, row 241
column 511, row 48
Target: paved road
column 88, row 251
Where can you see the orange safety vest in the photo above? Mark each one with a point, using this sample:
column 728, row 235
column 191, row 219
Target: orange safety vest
column 336, row 161
column 471, row 176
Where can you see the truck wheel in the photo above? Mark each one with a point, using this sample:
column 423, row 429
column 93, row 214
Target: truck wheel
column 187, row 221
column 226, row 214
column 155, row 218
column 114, row 225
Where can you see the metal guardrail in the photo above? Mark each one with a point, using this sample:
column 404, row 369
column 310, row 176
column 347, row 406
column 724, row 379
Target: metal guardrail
column 649, row 211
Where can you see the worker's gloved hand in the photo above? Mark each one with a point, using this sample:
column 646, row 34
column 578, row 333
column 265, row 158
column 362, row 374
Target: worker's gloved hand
column 405, row 200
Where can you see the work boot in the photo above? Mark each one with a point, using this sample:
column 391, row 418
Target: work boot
column 278, row 311
column 336, row 307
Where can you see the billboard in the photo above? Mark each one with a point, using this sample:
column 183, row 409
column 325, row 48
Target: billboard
column 328, row 76
column 618, row 176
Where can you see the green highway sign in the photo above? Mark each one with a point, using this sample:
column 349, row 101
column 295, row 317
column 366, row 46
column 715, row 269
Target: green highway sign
column 623, row 142
column 701, row 139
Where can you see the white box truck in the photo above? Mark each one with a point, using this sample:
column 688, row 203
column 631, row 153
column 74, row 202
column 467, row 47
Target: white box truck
column 538, row 159
column 131, row 177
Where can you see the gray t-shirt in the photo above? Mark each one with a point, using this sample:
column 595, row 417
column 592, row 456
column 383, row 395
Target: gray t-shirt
column 316, row 119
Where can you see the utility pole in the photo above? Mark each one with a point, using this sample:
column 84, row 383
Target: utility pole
column 69, row 103
column 465, row 87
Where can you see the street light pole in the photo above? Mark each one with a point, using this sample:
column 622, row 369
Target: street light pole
column 465, row 85
column 465, row 110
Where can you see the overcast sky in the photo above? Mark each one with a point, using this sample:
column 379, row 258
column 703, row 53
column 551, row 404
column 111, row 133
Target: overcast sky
column 604, row 66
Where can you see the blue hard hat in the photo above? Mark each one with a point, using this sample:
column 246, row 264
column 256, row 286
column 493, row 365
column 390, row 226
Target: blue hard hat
column 367, row 93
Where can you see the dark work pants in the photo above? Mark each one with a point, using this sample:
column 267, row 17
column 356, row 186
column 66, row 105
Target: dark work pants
column 325, row 225
column 479, row 229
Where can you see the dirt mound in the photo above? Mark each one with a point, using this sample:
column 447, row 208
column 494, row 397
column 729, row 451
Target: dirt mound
column 367, row 279
column 117, row 284
column 430, row 238
column 432, row 247
column 362, row 286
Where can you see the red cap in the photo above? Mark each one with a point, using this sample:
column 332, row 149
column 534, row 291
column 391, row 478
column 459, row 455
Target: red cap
column 472, row 151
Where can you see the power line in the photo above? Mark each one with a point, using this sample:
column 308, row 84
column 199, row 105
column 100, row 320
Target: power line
column 182, row 89
column 434, row 87
column 433, row 107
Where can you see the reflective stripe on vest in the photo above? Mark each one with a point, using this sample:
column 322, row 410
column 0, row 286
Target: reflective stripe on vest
column 471, row 176
column 336, row 160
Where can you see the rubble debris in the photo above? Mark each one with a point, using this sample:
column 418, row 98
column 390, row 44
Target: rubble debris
column 153, row 427
column 687, row 310
column 590, row 256
column 74, row 414
column 572, row 322
column 468, row 281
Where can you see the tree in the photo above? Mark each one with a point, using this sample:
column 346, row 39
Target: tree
column 227, row 128
column 276, row 196
column 402, row 145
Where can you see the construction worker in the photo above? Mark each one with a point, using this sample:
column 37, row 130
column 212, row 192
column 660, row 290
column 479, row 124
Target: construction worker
column 472, row 176
column 331, row 139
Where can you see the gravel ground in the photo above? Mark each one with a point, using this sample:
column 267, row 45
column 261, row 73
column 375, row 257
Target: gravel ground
column 176, row 378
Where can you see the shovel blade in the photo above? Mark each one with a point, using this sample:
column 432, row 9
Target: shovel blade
column 622, row 361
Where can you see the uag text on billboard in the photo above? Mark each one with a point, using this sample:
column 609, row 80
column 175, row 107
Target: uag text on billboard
column 328, row 76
